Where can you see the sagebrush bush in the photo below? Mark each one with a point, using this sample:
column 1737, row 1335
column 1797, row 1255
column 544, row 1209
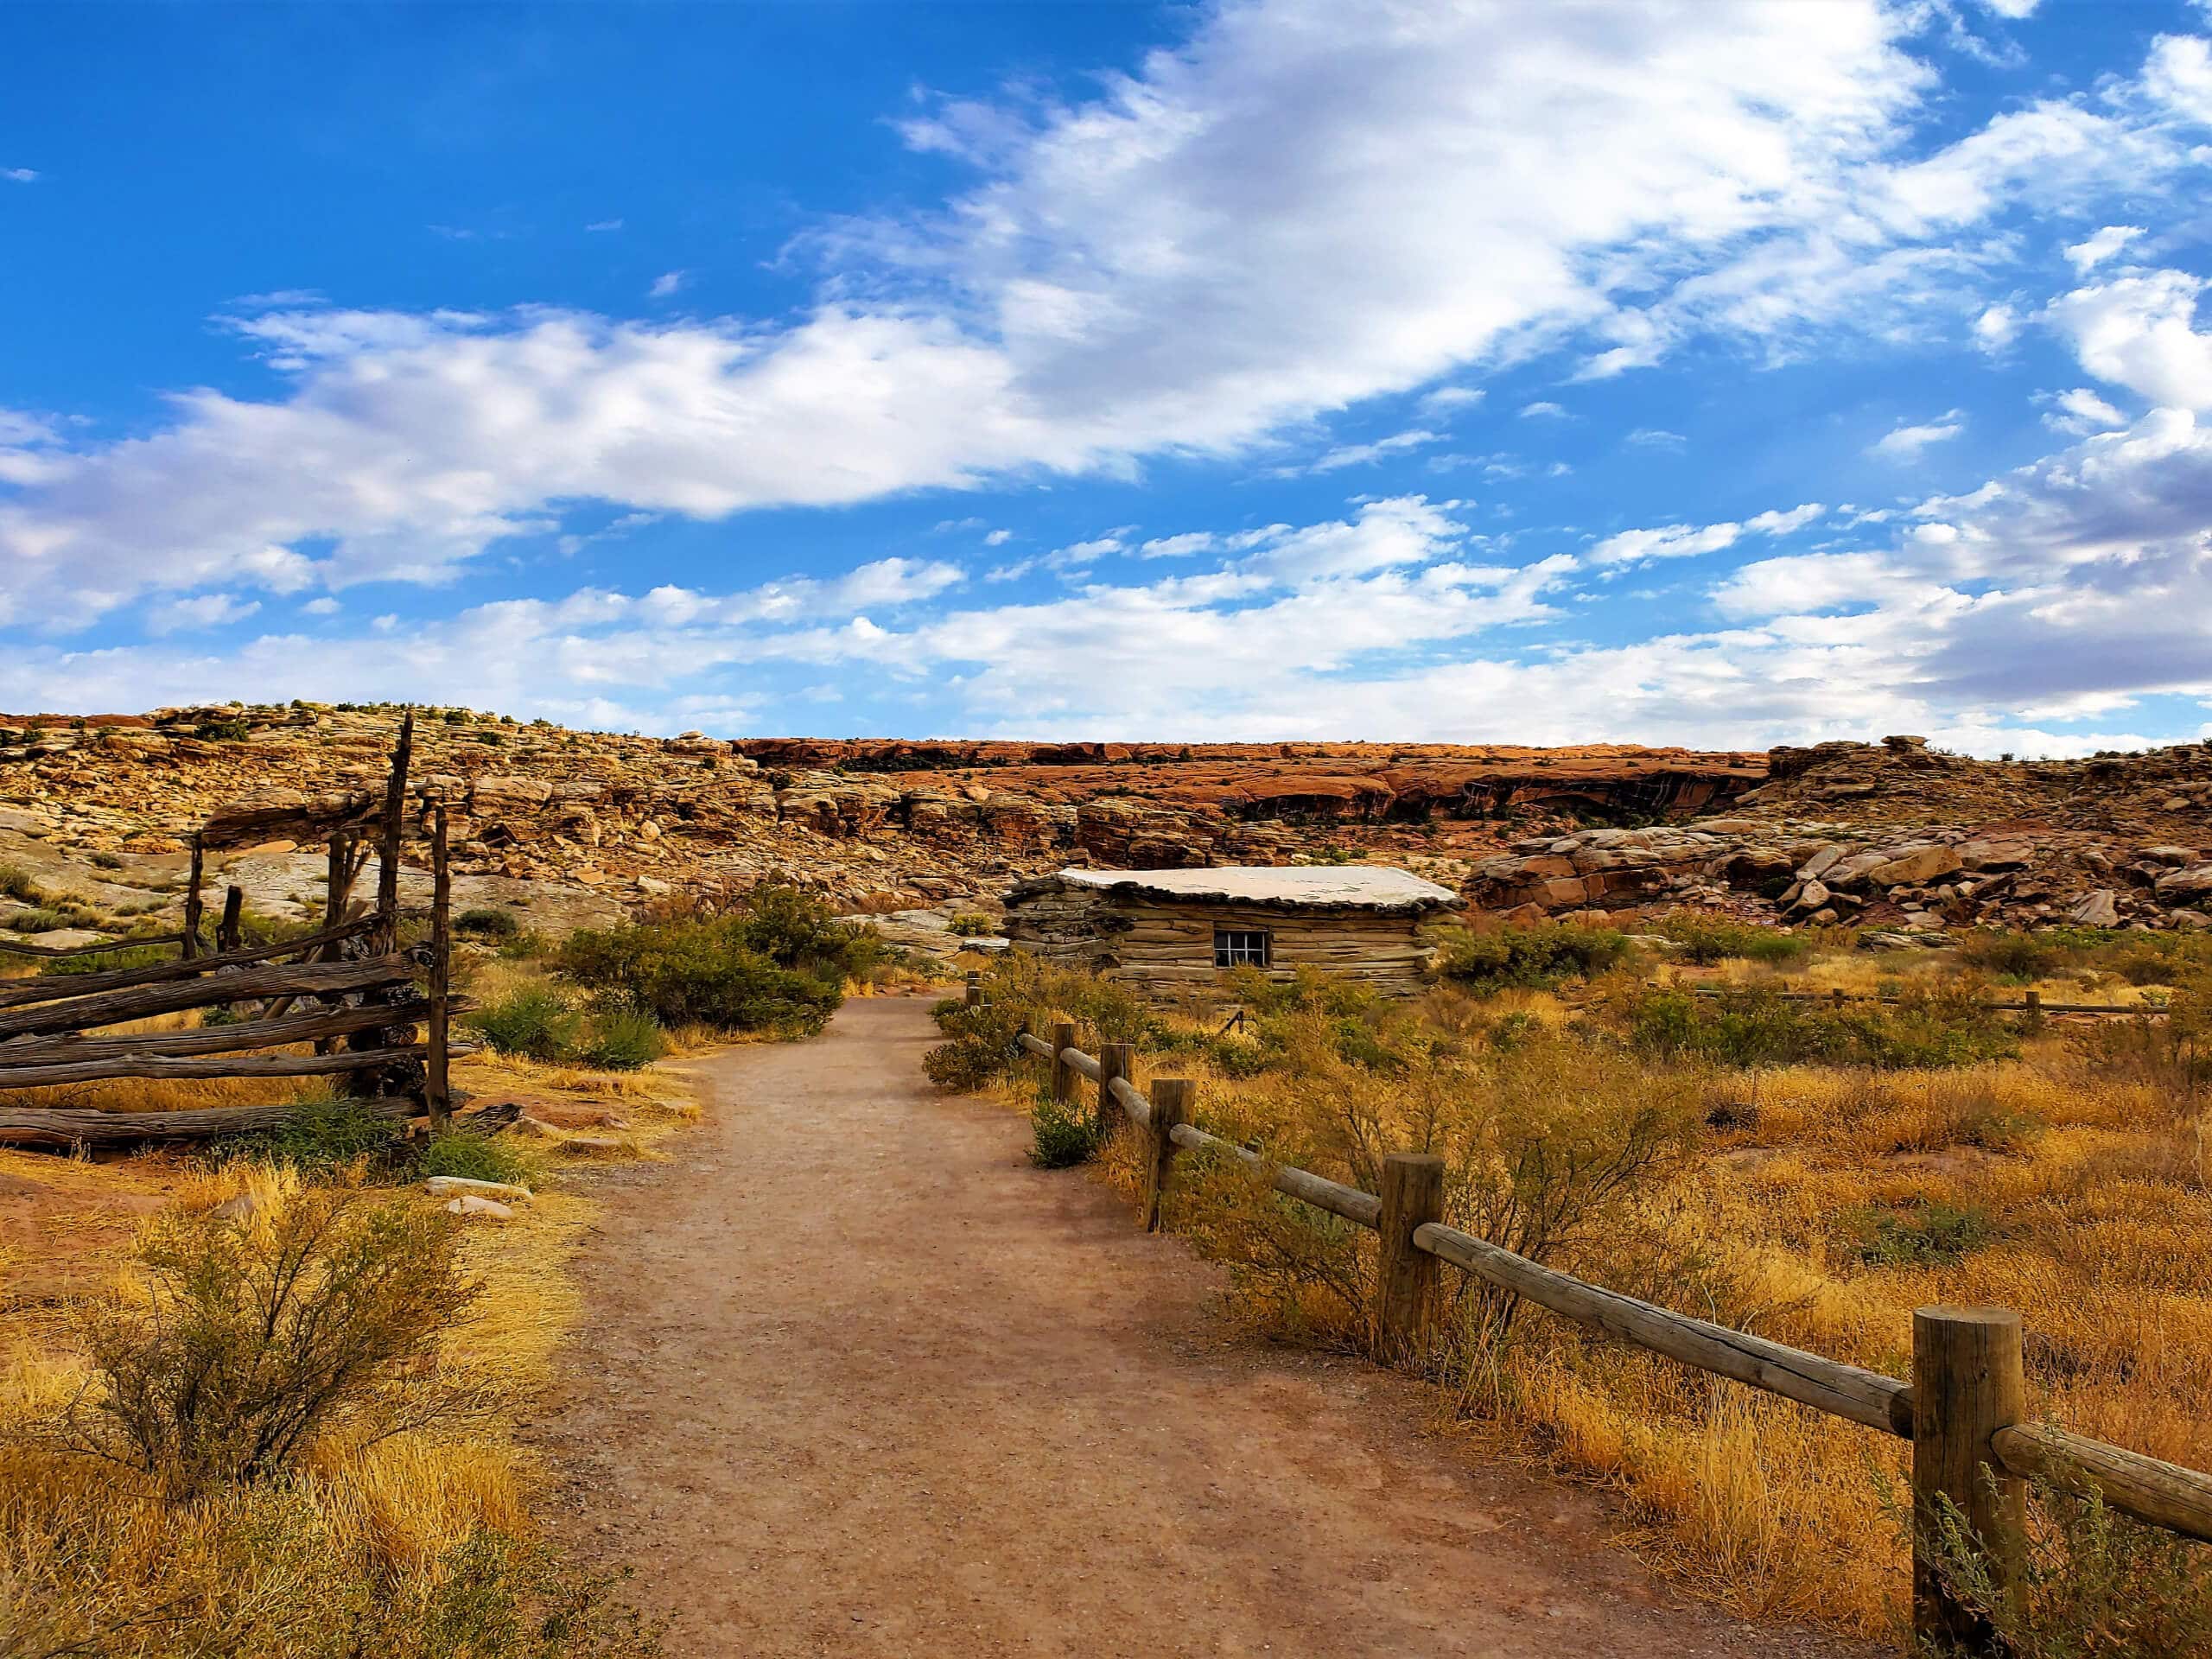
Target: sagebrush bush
column 532, row 1020
column 978, row 1044
column 327, row 1131
column 972, row 924
column 475, row 1157
column 2009, row 955
column 621, row 1040
column 1062, row 1134
column 255, row 1337
column 1533, row 957
column 1753, row 1027
column 18, row 883
column 1705, row 937
column 778, row 961
column 487, row 921
column 2088, row 1582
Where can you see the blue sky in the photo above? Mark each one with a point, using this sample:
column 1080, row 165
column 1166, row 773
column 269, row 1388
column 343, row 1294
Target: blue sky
column 1711, row 372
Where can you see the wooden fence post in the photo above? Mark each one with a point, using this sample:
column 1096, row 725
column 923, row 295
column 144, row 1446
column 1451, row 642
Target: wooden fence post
column 1837, row 996
column 393, row 830
column 227, row 931
column 1171, row 1105
column 1966, row 1384
column 192, row 905
column 1405, row 1278
column 974, row 989
column 2034, row 999
column 437, row 1091
column 1063, row 1079
column 1114, row 1060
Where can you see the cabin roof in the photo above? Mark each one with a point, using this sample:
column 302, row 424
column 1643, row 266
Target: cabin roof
column 1319, row 887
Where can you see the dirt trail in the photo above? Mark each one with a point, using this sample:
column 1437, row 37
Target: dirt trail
column 858, row 1380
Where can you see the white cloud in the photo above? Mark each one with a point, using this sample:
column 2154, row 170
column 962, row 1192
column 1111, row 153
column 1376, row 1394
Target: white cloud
column 205, row 611
column 1777, row 523
column 1360, row 455
column 1905, row 443
column 667, row 283
column 604, row 224
column 2080, row 412
column 1657, row 438
column 1998, row 327
column 1684, row 541
column 19, row 175
column 998, row 539
column 1543, row 410
column 2179, row 75
column 2136, row 332
column 1444, row 399
column 324, row 606
column 2097, row 248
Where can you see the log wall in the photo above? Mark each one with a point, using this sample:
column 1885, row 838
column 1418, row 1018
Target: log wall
column 1165, row 947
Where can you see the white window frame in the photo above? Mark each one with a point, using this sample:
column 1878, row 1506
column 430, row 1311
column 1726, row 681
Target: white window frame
column 1233, row 947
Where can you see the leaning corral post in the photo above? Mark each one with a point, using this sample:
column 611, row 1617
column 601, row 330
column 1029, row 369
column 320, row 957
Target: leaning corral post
column 1404, row 1277
column 1114, row 1060
column 392, row 830
column 1171, row 1107
column 1966, row 1384
column 437, row 1091
column 1063, row 1080
column 190, row 946
column 228, row 932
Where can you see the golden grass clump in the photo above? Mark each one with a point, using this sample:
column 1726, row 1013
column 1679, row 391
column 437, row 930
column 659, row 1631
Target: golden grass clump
column 2056, row 1166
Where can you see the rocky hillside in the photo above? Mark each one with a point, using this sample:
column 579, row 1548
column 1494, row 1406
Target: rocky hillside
column 1899, row 835
column 578, row 826
column 592, row 822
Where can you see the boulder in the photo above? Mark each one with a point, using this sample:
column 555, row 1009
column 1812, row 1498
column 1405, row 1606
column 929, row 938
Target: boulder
column 1912, row 869
column 2184, row 888
column 462, row 1186
column 2096, row 909
column 488, row 1209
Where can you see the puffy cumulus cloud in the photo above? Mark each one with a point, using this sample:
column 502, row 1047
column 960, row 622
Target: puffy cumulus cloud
column 2095, row 250
column 2080, row 412
column 2137, row 331
column 1241, row 234
column 2179, row 75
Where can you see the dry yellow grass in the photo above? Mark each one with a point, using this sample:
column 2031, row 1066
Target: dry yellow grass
column 2074, row 1188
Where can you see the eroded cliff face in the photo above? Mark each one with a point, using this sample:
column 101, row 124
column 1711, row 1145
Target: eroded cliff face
column 871, row 823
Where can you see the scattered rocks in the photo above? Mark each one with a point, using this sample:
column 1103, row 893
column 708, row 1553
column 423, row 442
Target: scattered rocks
column 461, row 1186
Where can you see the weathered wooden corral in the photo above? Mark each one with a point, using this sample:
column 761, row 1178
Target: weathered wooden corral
column 349, row 989
column 1176, row 929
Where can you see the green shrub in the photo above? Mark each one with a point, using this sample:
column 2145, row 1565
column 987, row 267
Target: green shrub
column 2087, row 1582
column 16, row 883
column 532, row 1020
column 1922, row 1029
column 251, row 1340
column 1531, row 957
column 221, row 731
column 2017, row 957
column 1063, row 1134
column 99, row 962
column 1705, row 938
column 778, row 963
column 37, row 921
column 487, row 921
column 1928, row 1233
column 327, row 1132
column 622, row 1039
column 474, row 1157
column 972, row 924
column 979, row 1044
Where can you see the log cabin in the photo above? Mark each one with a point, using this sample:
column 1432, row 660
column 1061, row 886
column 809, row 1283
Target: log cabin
column 1176, row 930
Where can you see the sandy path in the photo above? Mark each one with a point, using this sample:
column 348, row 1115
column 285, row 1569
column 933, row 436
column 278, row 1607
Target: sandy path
column 858, row 1380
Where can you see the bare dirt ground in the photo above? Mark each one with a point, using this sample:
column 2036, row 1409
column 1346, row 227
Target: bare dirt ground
column 857, row 1379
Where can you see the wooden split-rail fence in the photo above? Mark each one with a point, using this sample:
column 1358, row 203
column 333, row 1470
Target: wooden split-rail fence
column 2030, row 1002
column 348, row 989
column 1974, row 1446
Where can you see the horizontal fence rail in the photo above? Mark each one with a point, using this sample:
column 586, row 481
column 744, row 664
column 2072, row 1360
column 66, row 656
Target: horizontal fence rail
column 2032, row 1002
column 1962, row 1413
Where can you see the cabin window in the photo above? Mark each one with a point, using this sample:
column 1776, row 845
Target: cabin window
column 1239, row 947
